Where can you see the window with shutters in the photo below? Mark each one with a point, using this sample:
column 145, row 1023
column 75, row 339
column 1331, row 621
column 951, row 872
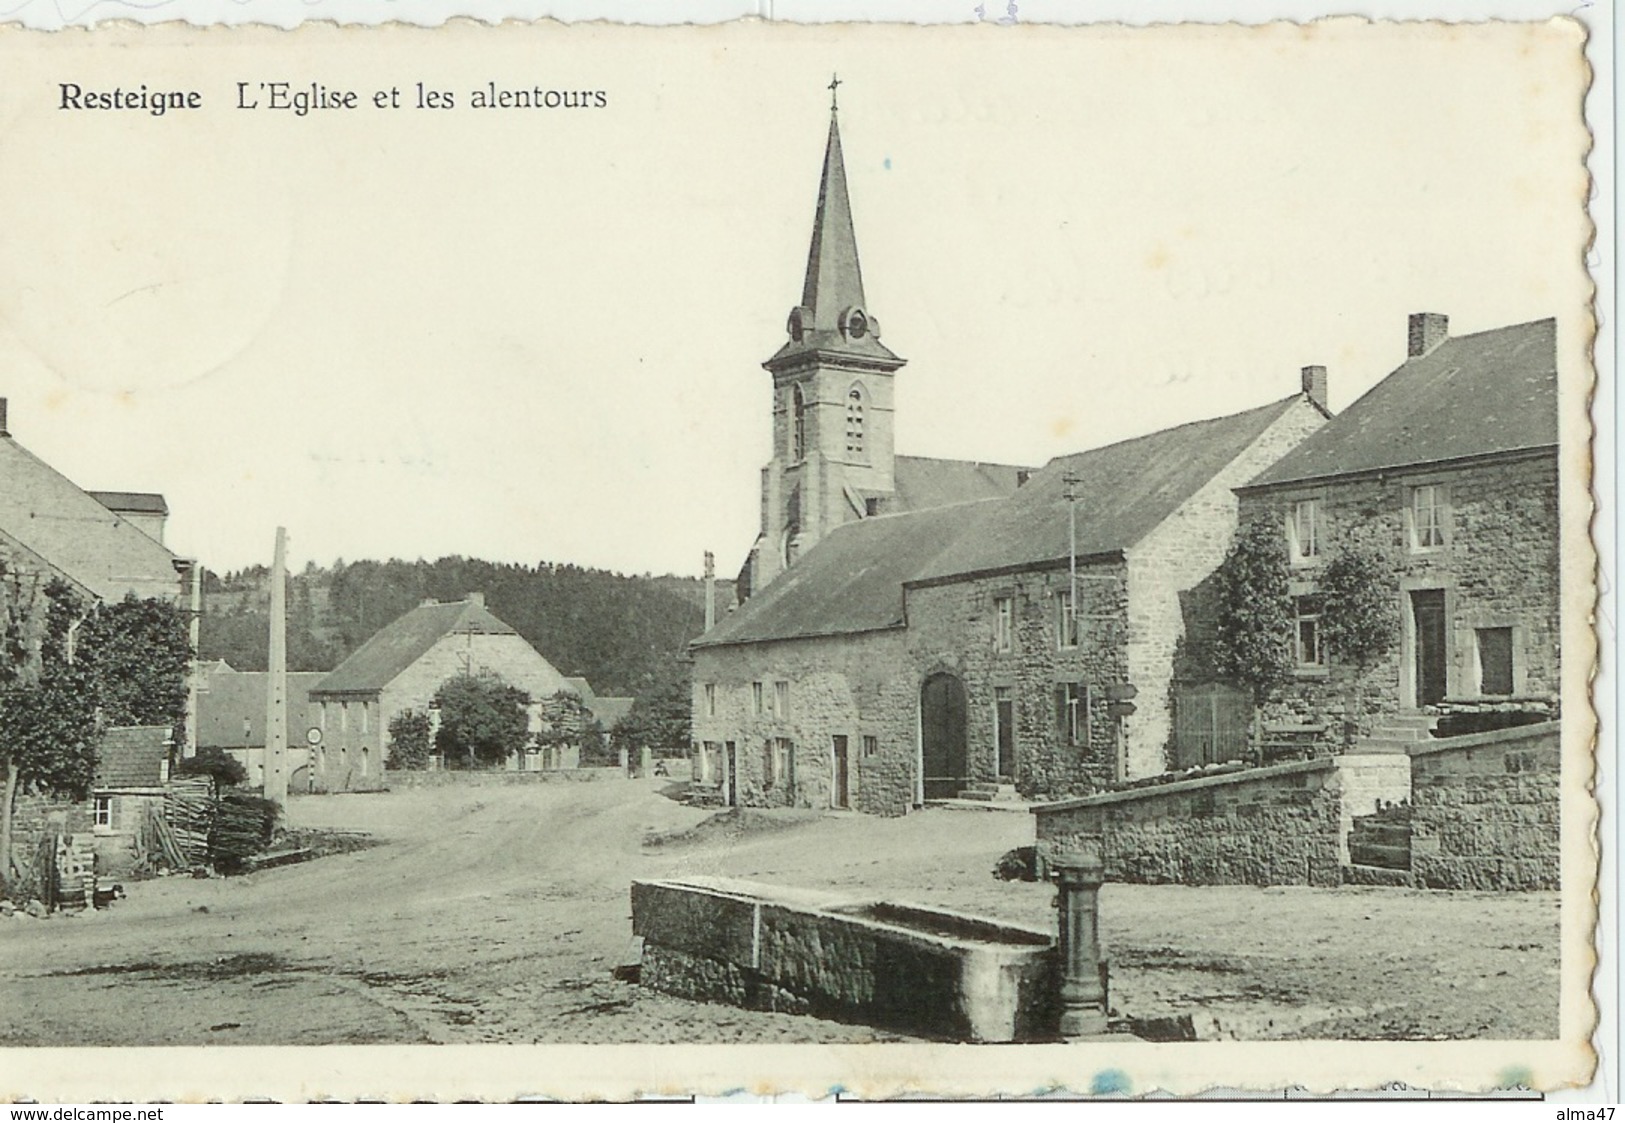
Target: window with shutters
column 1495, row 660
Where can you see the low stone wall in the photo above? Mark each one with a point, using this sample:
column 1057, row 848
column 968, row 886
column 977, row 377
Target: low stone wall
column 443, row 778
column 1484, row 810
column 33, row 816
column 1286, row 824
column 918, row 970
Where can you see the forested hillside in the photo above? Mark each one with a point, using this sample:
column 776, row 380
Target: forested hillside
column 620, row 633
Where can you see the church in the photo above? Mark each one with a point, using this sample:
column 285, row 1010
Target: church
column 910, row 628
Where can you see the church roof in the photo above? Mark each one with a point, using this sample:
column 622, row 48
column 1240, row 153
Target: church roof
column 399, row 644
column 76, row 535
column 852, row 581
column 833, row 288
column 1124, row 491
column 1472, row 395
column 924, row 481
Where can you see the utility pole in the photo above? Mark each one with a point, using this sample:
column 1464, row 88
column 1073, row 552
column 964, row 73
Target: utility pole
column 1070, row 620
column 276, row 693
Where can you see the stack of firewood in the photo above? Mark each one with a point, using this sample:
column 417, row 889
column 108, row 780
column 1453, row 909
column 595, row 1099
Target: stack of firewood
column 189, row 807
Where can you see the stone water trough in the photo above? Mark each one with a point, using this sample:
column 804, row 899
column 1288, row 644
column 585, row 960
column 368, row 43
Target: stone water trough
column 923, row 971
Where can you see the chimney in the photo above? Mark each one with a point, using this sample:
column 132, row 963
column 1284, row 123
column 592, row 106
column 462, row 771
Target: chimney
column 4, row 432
column 710, row 590
column 1314, row 385
column 476, row 599
column 1428, row 330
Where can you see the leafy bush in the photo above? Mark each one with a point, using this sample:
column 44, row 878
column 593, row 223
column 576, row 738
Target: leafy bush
column 224, row 770
column 482, row 720
column 410, row 740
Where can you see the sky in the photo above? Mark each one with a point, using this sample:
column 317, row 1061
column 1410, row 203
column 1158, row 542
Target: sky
column 536, row 335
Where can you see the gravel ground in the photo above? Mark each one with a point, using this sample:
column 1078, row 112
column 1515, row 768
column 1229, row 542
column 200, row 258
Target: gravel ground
column 497, row 915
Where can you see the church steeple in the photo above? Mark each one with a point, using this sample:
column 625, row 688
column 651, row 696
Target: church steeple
column 833, row 316
column 833, row 457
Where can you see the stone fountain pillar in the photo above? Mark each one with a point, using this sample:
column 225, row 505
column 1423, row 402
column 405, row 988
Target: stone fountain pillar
column 1079, row 875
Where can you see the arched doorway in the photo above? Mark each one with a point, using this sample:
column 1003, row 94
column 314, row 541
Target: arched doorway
column 942, row 736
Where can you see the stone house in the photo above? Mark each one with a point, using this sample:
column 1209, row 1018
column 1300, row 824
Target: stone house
column 231, row 718
column 913, row 656
column 98, row 541
column 911, row 628
column 400, row 668
column 1448, row 470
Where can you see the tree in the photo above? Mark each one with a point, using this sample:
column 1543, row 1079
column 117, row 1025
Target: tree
column 410, row 740
column 482, row 720
column 214, row 763
column 71, row 667
column 566, row 720
column 661, row 717
column 1359, row 616
column 1253, row 642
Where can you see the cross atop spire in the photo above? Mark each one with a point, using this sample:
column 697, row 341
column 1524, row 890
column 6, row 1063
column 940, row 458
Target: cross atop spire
column 834, row 87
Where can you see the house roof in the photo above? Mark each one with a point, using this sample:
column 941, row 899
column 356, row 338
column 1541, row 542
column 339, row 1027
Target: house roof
column 231, row 709
column 399, row 644
column 1472, row 395
column 609, row 710
column 1124, row 491
column 78, row 536
column 852, row 581
column 580, row 686
column 132, row 756
column 131, row 502
column 924, row 481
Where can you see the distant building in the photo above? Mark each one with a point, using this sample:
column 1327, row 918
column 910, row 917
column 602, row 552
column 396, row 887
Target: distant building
column 1449, row 469
column 400, row 668
column 231, row 718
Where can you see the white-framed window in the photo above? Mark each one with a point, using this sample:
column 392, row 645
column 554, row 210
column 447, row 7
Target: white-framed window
column 1304, row 531
column 781, row 699
column 1066, row 620
column 1308, row 647
column 102, row 812
column 854, row 421
column 1004, row 623
column 709, row 691
column 1072, row 712
column 775, row 762
column 1428, row 517
column 1495, row 660
column 758, row 698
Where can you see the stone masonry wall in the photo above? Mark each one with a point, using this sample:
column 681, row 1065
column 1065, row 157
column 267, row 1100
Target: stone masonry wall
column 1282, row 825
column 852, row 686
column 951, row 628
column 1498, row 568
column 33, row 816
column 1485, row 811
column 1174, row 559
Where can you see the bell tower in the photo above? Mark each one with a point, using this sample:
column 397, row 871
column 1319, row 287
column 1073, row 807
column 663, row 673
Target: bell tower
column 833, row 453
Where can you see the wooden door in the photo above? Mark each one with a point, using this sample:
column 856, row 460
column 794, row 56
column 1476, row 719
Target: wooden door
column 1210, row 724
column 942, row 736
column 1004, row 721
column 730, row 774
column 1427, row 611
column 841, row 796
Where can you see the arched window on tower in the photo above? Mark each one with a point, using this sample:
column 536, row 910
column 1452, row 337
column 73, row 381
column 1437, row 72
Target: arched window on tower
column 798, row 425
column 854, row 421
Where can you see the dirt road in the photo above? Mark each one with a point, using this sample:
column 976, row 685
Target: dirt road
column 496, row 914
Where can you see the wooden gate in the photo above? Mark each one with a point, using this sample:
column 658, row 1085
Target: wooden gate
column 1210, row 724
